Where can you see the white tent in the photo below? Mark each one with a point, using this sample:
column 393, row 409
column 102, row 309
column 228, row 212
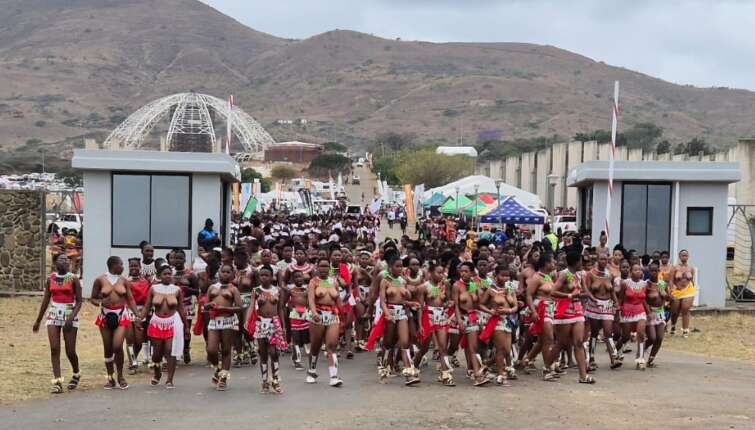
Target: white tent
column 457, row 150
column 486, row 185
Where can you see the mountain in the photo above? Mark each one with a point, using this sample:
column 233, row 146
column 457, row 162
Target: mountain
column 70, row 69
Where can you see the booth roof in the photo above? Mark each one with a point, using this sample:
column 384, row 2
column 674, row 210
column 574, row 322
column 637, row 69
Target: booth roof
column 157, row 161
column 486, row 186
column 671, row 171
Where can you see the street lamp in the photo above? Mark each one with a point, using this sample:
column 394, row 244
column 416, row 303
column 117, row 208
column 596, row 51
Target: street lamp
column 498, row 184
column 457, row 200
column 476, row 189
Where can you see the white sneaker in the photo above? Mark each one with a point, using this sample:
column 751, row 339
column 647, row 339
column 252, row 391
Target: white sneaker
column 335, row 381
column 310, row 380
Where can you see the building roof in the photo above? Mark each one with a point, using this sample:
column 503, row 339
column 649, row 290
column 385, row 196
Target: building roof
column 157, row 161
column 671, row 171
column 457, row 150
column 295, row 143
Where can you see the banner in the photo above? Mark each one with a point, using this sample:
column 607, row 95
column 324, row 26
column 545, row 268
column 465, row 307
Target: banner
column 256, row 187
column 374, row 206
column 410, row 214
column 236, row 197
column 419, row 191
column 246, row 192
column 251, row 206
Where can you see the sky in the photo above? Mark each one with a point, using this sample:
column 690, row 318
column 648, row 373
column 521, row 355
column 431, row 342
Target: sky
column 705, row 43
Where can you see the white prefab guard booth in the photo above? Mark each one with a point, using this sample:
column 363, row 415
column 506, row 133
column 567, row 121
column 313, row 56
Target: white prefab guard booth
column 161, row 197
column 663, row 206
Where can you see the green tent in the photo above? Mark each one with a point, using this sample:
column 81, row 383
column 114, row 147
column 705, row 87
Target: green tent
column 450, row 207
column 481, row 208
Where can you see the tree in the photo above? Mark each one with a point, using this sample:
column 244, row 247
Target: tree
column 427, row 167
column 284, row 173
column 394, row 141
column 698, row 145
column 335, row 147
column 249, row 175
column 329, row 163
column 644, row 135
column 663, row 147
column 71, row 177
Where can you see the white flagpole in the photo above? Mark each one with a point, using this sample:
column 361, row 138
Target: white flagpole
column 612, row 157
column 228, row 126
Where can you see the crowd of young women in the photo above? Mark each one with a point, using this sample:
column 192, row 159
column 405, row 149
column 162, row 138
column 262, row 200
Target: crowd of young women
column 302, row 286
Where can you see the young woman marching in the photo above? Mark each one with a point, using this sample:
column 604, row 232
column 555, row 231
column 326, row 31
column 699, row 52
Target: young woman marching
column 569, row 320
column 434, row 302
column 601, row 306
column 340, row 270
column 499, row 300
column 465, row 296
column 223, row 305
column 166, row 326
column 112, row 293
column 540, row 302
column 245, row 281
column 185, row 278
column 298, row 303
column 265, row 324
column 61, row 303
column 136, row 333
column 394, row 322
column 324, row 304
column 414, row 278
column 656, row 299
column 633, row 312
column 362, row 281
column 683, row 292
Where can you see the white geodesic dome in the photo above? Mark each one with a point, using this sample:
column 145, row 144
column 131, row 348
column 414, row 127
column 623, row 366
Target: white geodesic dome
column 190, row 116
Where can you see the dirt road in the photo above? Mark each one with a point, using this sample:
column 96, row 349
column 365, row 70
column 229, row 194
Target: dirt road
column 683, row 392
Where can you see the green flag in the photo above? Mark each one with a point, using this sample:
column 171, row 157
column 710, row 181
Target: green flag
column 250, row 207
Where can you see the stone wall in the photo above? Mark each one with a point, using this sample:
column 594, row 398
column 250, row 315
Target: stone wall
column 22, row 240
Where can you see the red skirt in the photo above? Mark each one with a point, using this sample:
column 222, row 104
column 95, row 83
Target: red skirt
column 161, row 327
column 545, row 312
column 568, row 311
column 124, row 317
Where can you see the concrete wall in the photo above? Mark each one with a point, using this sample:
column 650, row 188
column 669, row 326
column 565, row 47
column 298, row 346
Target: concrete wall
column 558, row 168
column 574, row 151
column 707, row 253
column 527, row 170
column 511, row 174
column 744, row 192
column 23, row 249
column 542, row 189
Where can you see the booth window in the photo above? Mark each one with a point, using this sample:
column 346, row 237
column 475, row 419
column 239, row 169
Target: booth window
column 646, row 217
column 155, row 208
column 699, row 221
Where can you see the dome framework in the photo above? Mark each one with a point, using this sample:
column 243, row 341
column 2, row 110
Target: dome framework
column 192, row 116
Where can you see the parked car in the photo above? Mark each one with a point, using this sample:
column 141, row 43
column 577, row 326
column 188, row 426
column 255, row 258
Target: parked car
column 564, row 222
column 69, row 221
column 355, row 180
